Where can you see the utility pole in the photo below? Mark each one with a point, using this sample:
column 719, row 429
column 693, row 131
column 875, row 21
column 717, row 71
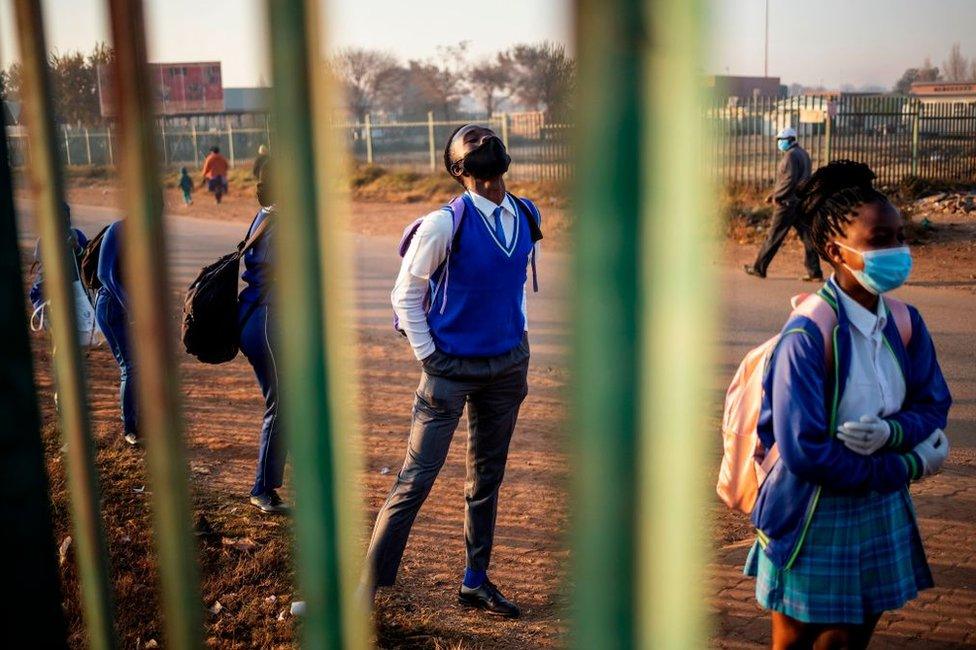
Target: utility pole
column 766, row 44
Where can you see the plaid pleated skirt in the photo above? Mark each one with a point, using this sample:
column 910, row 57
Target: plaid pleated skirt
column 862, row 555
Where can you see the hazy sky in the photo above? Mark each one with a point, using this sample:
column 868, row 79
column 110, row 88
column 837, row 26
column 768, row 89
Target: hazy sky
column 832, row 42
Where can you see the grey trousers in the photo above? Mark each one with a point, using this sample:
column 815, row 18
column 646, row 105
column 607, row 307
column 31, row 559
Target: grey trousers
column 784, row 218
column 493, row 389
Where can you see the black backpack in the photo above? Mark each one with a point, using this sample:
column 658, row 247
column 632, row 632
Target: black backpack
column 88, row 263
column 210, row 329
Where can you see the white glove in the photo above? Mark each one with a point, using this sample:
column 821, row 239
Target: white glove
column 865, row 437
column 933, row 451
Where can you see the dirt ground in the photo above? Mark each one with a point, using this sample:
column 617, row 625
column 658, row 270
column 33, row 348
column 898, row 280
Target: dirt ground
column 245, row 557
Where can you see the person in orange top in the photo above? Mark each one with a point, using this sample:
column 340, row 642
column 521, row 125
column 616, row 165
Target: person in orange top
column 215, row 173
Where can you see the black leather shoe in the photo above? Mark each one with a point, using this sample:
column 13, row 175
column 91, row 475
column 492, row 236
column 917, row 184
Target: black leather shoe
column 810, row 277
column 488, row 598
column 753, row 271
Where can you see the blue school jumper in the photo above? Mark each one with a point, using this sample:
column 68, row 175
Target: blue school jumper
column 112, row 316
column 256, row 337
column 484, row 279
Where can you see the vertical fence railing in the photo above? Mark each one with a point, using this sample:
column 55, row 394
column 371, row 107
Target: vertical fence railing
column 146, row 268
column 60, row 274
column 677, row 289
column 31, row 575
column 606, row 311
column 313, row 384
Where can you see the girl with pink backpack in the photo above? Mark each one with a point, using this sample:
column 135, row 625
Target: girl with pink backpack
column 853, row 414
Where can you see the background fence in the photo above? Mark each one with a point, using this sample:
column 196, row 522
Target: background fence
column 897, row 136
column 540, row 149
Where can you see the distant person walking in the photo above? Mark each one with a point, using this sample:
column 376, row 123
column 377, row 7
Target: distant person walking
column 260, row 161
column 215, row 168
column 186, row 184
column 794, row 168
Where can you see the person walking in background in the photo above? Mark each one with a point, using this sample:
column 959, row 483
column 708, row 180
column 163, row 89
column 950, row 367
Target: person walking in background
column 215, row 168
column 794, row 168
column 112, row 315
column 258, row 338
column 186, row 184
column 463, row 313
column 837, row 538
column 260, row 161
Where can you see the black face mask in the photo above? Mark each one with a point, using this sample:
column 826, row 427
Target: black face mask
column 490, row 160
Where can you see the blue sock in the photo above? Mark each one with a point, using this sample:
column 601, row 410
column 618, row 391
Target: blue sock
column 474, row 578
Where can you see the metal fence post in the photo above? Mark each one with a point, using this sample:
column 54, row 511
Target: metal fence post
column 196, row 150
column 915, row 136
column 430, row 141
column 59, row 277
column 675, row 333
column 369, row 139
column 111, row 153
column 28, row 538
column 315, row 390
column 67, row 147
column 505, row 129
column 147, row 272
column 828, row 128
column 230, row 142
column 162, row 133
column 88, row 146
column 606, row 334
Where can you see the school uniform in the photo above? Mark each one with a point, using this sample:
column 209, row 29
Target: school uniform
column 472, row 341
column 837, row 539
column 112, row 316
column 257, row 340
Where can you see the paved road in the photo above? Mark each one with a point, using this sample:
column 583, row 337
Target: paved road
column 753, row 310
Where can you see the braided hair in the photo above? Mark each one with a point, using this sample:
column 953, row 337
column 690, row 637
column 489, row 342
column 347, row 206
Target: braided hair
column 829, row 198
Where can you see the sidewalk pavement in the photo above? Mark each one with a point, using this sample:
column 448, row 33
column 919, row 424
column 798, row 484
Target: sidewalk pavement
column 940, row 618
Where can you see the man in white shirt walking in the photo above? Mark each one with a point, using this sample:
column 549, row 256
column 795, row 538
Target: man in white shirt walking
column 460, row 300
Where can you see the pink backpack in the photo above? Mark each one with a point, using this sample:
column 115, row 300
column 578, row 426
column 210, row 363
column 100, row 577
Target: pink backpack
column 746, row 462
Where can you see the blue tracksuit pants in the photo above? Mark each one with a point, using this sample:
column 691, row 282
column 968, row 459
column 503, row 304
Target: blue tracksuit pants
column 112, row 319
column 256, row 338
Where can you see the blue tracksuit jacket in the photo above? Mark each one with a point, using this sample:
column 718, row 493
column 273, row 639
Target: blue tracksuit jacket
column 798, row 412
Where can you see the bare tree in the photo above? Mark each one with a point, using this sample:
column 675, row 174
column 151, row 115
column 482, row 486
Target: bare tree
column 487, row 79
column 542, row 76
column 956, row 67
column 362, row 72
column 972, row 70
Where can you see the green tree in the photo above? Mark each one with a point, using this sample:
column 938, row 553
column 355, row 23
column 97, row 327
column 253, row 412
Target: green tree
column 925, row 73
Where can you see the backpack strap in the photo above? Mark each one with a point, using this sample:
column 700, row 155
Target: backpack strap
column 535, row 227
column 902, row 317
column 249, row 243
column 822, row 310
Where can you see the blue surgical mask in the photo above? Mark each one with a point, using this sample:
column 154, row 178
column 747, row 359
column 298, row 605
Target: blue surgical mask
column 784, row 145
column 884, row 270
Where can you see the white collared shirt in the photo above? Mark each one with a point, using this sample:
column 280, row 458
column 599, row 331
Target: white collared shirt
column 875, row 384
column 427, row 251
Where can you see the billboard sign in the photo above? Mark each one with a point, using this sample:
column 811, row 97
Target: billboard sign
column 179, row 88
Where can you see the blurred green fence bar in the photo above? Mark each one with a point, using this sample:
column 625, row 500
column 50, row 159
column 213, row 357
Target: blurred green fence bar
column 608, row 303
column 147, row 274
column 676, row 259
column 59, row 275
column 314, row 387
column 25, row 513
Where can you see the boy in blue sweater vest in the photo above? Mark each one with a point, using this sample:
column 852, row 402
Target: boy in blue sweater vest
column 460, row 300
